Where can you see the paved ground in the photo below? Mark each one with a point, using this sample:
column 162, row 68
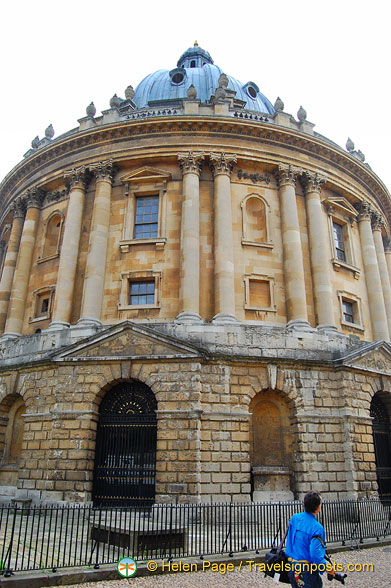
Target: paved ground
column 380, row 557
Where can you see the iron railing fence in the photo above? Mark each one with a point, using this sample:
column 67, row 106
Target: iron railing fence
column 52, row 537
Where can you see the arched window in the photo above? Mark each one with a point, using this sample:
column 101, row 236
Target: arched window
column 381, row 429
column 255, row 220
column 125, row 455
column 52, row 235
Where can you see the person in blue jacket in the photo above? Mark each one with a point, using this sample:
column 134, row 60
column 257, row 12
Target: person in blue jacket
column 304, row 547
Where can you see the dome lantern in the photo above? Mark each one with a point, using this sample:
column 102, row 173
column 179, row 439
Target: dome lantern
column 194, row 57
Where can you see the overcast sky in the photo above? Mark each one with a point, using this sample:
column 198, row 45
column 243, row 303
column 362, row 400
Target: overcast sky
column 332, row 57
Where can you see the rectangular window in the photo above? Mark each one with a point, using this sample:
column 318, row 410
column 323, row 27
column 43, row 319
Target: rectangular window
column 142, row 293
column 348, row 311
column 146, row 221
column 339, row 241
column 44, row 305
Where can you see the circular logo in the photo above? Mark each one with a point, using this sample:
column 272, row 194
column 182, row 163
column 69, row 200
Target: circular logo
column 126, row 567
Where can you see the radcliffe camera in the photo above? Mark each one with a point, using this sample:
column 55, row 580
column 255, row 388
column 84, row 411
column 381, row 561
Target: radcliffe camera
column 195, row 308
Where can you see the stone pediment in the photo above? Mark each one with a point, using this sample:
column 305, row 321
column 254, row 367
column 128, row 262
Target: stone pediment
column 128, row 341
column 341, row 204
column 375, row 358
column 146, row 174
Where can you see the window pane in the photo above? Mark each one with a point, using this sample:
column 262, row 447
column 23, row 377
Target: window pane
column 146, row 218
column 348, row 314
column 339, row 241
column 142, row 293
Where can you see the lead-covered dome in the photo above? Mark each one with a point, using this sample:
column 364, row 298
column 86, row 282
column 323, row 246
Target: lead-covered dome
column 195, row 67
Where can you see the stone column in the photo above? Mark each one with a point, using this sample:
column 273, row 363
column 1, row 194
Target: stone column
column 97, row 249
column 11, row 256
column 190, row 237
column 17, row 305
column 320, row 258
column 62, row 311
column 377, row 223
column 387, row 251
column 372, row 275
column 296, row 304
column 221, row 165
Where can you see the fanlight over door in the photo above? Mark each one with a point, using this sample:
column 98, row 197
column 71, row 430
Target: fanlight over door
column 125, row 456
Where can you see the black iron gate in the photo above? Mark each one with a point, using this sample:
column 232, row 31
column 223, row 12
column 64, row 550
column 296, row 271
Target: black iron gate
column 382, row 440
column 125, row 455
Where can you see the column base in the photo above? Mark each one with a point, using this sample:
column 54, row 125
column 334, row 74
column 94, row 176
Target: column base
column 188, row 317
column 327, row 329
column 299, row 325
column 56, row 325
column 10, row 335
column 224, row 318
column 88, row 322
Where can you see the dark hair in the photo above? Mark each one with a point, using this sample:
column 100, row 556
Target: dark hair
column 311, row 501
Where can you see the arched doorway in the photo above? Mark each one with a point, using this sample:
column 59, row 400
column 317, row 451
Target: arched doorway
column 125, row 455
column 381, row 429
column 271, row 447
column 12, row 410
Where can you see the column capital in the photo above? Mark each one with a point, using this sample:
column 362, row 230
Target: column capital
column 377, row 221
column 19, row 208
column 33, row 198
column 312, row 181
column 191, row 162
column 77, row 177
column 286, row 174
column 104, row 170
column 222, row 163
column 365, row 211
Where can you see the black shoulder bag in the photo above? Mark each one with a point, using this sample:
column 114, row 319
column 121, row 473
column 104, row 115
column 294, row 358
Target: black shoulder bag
column 276, row 560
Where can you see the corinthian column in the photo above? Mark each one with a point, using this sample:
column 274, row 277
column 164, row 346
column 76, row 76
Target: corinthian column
column 77, row 180
column 387, row 251
column 377, row 223
column 296, row 305
column 221, row 165
column 19, row 211
column 372, row 275
column 17, row 305
column 97, row 250
column 190, row 237
column 320, row 258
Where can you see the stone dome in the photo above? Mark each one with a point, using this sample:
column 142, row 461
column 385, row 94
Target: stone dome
column 195, row 67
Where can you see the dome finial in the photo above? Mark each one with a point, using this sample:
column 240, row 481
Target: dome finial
column 195, row 43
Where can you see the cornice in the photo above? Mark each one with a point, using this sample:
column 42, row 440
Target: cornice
column 268, row 133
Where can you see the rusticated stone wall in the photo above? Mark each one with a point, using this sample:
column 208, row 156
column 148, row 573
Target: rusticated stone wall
column 204, row 425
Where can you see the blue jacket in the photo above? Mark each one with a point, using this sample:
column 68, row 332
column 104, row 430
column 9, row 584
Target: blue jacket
column 300, row 543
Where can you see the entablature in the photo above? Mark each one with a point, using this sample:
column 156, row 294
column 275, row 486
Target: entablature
column 85, row 147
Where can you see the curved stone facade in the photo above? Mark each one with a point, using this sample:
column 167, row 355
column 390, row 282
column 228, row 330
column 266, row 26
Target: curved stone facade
column 235, row 262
